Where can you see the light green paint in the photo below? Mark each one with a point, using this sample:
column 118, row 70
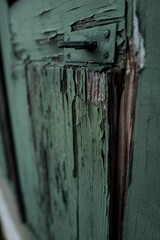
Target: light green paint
column 143, row 205
column 17, row 97
column 96, row 34
column 65, row 192
column 47, row 184
column 73, row 185
column 33, row 20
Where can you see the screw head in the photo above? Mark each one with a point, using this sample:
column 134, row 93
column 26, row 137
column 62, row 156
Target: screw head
column 107, row 34
column 106, row 54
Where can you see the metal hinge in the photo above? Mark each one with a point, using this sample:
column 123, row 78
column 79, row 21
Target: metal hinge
column 91, row 45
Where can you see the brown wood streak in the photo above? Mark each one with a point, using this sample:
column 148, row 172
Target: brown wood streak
column 112, row 114
column 125, row 131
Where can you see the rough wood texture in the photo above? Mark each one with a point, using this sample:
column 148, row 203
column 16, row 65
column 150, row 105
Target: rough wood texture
column 142, row 218
column 62, row 114
column 36, row 25
column 69, row 129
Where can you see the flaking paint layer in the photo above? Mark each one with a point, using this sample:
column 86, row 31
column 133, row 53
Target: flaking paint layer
column 68, row 117
column 43, row 22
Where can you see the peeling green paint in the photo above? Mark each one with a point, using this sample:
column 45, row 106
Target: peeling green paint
column 60, row 117
column 44, row 21
column 71, row 138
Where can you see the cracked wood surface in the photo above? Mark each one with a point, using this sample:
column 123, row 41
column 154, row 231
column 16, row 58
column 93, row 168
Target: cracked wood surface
column 64, row 197
column 59, row 121
column 59, row 118
column 35, row 25
column 70, row 142
column 62, row 113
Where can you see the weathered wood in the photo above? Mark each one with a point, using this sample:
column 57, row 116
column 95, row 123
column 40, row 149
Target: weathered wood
column 57, row 113
column 69, row 127
column 142, row 217
column 62, row 112
column 18, row 107
column 43, row 22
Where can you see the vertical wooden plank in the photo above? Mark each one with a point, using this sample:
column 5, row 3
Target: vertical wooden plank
column 68, row 113
column 50, row 98
column 142, row 218
column 91, row 134
column 29, row 177
column 18, row 106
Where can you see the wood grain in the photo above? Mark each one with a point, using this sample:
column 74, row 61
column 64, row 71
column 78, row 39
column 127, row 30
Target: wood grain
column 70, row 142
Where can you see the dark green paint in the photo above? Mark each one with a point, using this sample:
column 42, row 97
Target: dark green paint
column 3, row 168
column 143, row 206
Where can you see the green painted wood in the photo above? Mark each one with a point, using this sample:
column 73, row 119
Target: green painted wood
column 35, row 24
column 59, row 118
column 143, row 205
column 61, row 154
column 70, row 134
column 18, row 105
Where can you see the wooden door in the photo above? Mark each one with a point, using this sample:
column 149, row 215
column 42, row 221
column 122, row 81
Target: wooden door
column 59, row 114
column 70, row 150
